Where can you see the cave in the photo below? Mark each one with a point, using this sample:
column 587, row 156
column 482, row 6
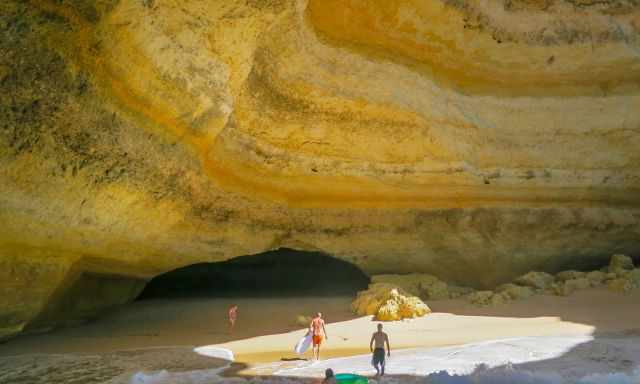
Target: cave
column 280, row 273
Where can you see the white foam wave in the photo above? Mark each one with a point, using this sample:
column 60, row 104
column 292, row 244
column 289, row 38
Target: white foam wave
column 215, row 352
column 455, row 360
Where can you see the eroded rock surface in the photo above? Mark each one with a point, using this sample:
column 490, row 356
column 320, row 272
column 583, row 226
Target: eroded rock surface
column 388, row 302
column 623, row 277
column 470, row 140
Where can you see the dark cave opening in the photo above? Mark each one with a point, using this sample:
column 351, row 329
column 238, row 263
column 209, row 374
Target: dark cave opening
column 280, row 273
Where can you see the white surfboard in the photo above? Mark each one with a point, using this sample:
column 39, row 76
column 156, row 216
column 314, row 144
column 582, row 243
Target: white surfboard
column 304, row 344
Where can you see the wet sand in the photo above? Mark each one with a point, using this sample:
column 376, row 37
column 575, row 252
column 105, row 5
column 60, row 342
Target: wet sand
column 180, row 322
column 153, row 336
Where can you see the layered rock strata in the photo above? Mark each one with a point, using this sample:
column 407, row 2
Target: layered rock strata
column 468, row 139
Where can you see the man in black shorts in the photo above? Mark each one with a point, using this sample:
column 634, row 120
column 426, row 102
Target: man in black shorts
column 380, row 338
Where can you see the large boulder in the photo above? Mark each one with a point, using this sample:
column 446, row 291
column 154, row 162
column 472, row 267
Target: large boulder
column 400, row 307
column 388, row 302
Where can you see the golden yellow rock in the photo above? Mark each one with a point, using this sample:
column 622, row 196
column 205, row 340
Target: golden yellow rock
column 388, row 302
column 433, row 137
column 389, row 311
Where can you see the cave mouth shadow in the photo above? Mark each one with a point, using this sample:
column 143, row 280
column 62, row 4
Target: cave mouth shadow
column 280, row 273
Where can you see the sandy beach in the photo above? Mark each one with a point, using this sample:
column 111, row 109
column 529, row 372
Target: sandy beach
column 267, row 330
column 595, row 313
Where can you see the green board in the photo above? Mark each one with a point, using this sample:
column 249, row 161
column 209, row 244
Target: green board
column 350, row 378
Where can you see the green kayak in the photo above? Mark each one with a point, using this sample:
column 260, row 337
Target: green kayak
column 350, row 378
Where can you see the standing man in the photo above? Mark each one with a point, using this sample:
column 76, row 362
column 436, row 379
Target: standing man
column 233, row 315
column 318, row 333
column 380, row 338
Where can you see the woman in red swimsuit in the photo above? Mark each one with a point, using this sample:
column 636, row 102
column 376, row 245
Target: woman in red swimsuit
column 233, row 315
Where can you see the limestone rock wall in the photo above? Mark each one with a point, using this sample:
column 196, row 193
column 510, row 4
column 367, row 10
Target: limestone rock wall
column 469, row 139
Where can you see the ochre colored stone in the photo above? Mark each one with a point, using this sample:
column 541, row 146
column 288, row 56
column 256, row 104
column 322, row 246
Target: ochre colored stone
column 388, row 302
column 469, row 140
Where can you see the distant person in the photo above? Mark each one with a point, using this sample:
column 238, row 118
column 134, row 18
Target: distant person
column 329, row 377
column 318, row 333
column 380, row 338
column 233, row 316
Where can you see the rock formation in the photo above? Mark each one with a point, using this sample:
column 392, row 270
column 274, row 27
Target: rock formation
column 620, row 275
column 388, row 302
column 425, row 286
column 472, row 140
